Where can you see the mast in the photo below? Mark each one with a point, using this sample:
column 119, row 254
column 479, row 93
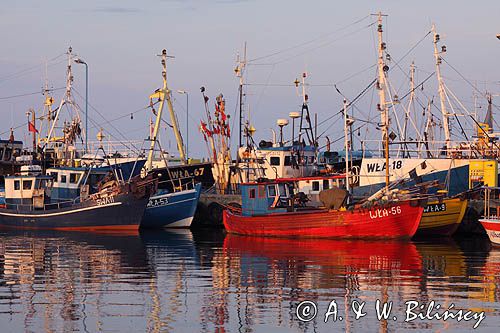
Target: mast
column 239, row 70
column 346, row 144
column 173, row 117
column 160, row 94
column 384, row 116
column 442, row 93
column 307, row 128
column 410, row 104
column 65, row 99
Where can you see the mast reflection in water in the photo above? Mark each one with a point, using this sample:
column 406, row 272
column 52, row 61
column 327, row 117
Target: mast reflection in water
column 161, row 281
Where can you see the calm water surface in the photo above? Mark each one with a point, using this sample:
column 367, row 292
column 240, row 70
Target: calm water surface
column 207, row 282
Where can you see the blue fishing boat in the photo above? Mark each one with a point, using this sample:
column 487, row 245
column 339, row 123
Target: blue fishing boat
column 175, row 202
column 115, row 205
column 168, row 209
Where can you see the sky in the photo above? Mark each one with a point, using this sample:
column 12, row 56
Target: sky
column 333, row 41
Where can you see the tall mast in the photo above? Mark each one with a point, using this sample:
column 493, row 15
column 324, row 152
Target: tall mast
column 346, row 144
column 239, row 70
column 384, row 116
column 160, row 94
column 410, row 104
column 442, row 93
column 66, row 98
column 173, row 117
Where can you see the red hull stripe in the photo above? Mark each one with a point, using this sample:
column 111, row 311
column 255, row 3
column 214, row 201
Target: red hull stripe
column 131, row 227
column 491, row 225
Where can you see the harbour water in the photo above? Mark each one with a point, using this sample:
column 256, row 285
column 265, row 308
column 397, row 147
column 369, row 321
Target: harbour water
column 206, row 281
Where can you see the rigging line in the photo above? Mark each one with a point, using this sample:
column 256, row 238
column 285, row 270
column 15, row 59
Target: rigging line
column 308, row 42
column 353, row 105
column 449, row 78
column 470, row 83
column 329, row 85
column 413, row 47
column 27, row 70
column 265, row 86
column 29, row 94
column 324, row 44
column 355, row 74
column 106, row 121
column 350, row 103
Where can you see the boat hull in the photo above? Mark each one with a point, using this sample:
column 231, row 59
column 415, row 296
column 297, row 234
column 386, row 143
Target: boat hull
column 122, row 212
column 171, row 210
column 442, row 218
column 398, row 220
column 492, row 227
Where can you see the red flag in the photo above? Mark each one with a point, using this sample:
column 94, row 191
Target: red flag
column 31, row 127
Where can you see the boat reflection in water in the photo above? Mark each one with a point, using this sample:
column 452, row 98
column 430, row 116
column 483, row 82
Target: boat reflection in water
column 204, row 281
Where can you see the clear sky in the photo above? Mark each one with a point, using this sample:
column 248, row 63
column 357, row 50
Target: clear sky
column 119, row 41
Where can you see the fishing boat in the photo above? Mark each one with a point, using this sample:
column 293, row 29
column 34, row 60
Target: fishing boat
column 271, row 209
column 117, row 205
column 175, row 202
column 442, row 217
column 491, row 218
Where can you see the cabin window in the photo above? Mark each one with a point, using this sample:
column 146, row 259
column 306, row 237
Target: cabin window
column 311, row 159
column 326, row 184
column 63, row 179
column 262, row 191
column 8, row 154
column 17, row 185
column 74, row 178
column 54, row 175
column 282, row 189
column 40, row 183
column 315, row 185
column 251, row 193
column 275, row 160
column 271, row 190
column 288, row 160
column 27, row 184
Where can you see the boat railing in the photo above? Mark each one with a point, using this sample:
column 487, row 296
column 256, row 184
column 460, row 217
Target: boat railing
column 435, row 149
column 47, row 206
column 491, row 202
column 127, row 149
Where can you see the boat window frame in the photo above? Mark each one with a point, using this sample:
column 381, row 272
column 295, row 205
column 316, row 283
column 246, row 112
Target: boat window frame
column 285, row 189
column 17, row 185
column 327, row 183
column 63, row 179
column 315, row 185
column 251, row 193
column 54, row 175
column 30, row 186
column 262, row 191
column 272, row 186
column 76, row 176
column 288, row 161
column 273, row 158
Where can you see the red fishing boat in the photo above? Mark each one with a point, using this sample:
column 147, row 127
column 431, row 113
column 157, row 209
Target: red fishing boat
column 271, row 209
column 491, row 219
